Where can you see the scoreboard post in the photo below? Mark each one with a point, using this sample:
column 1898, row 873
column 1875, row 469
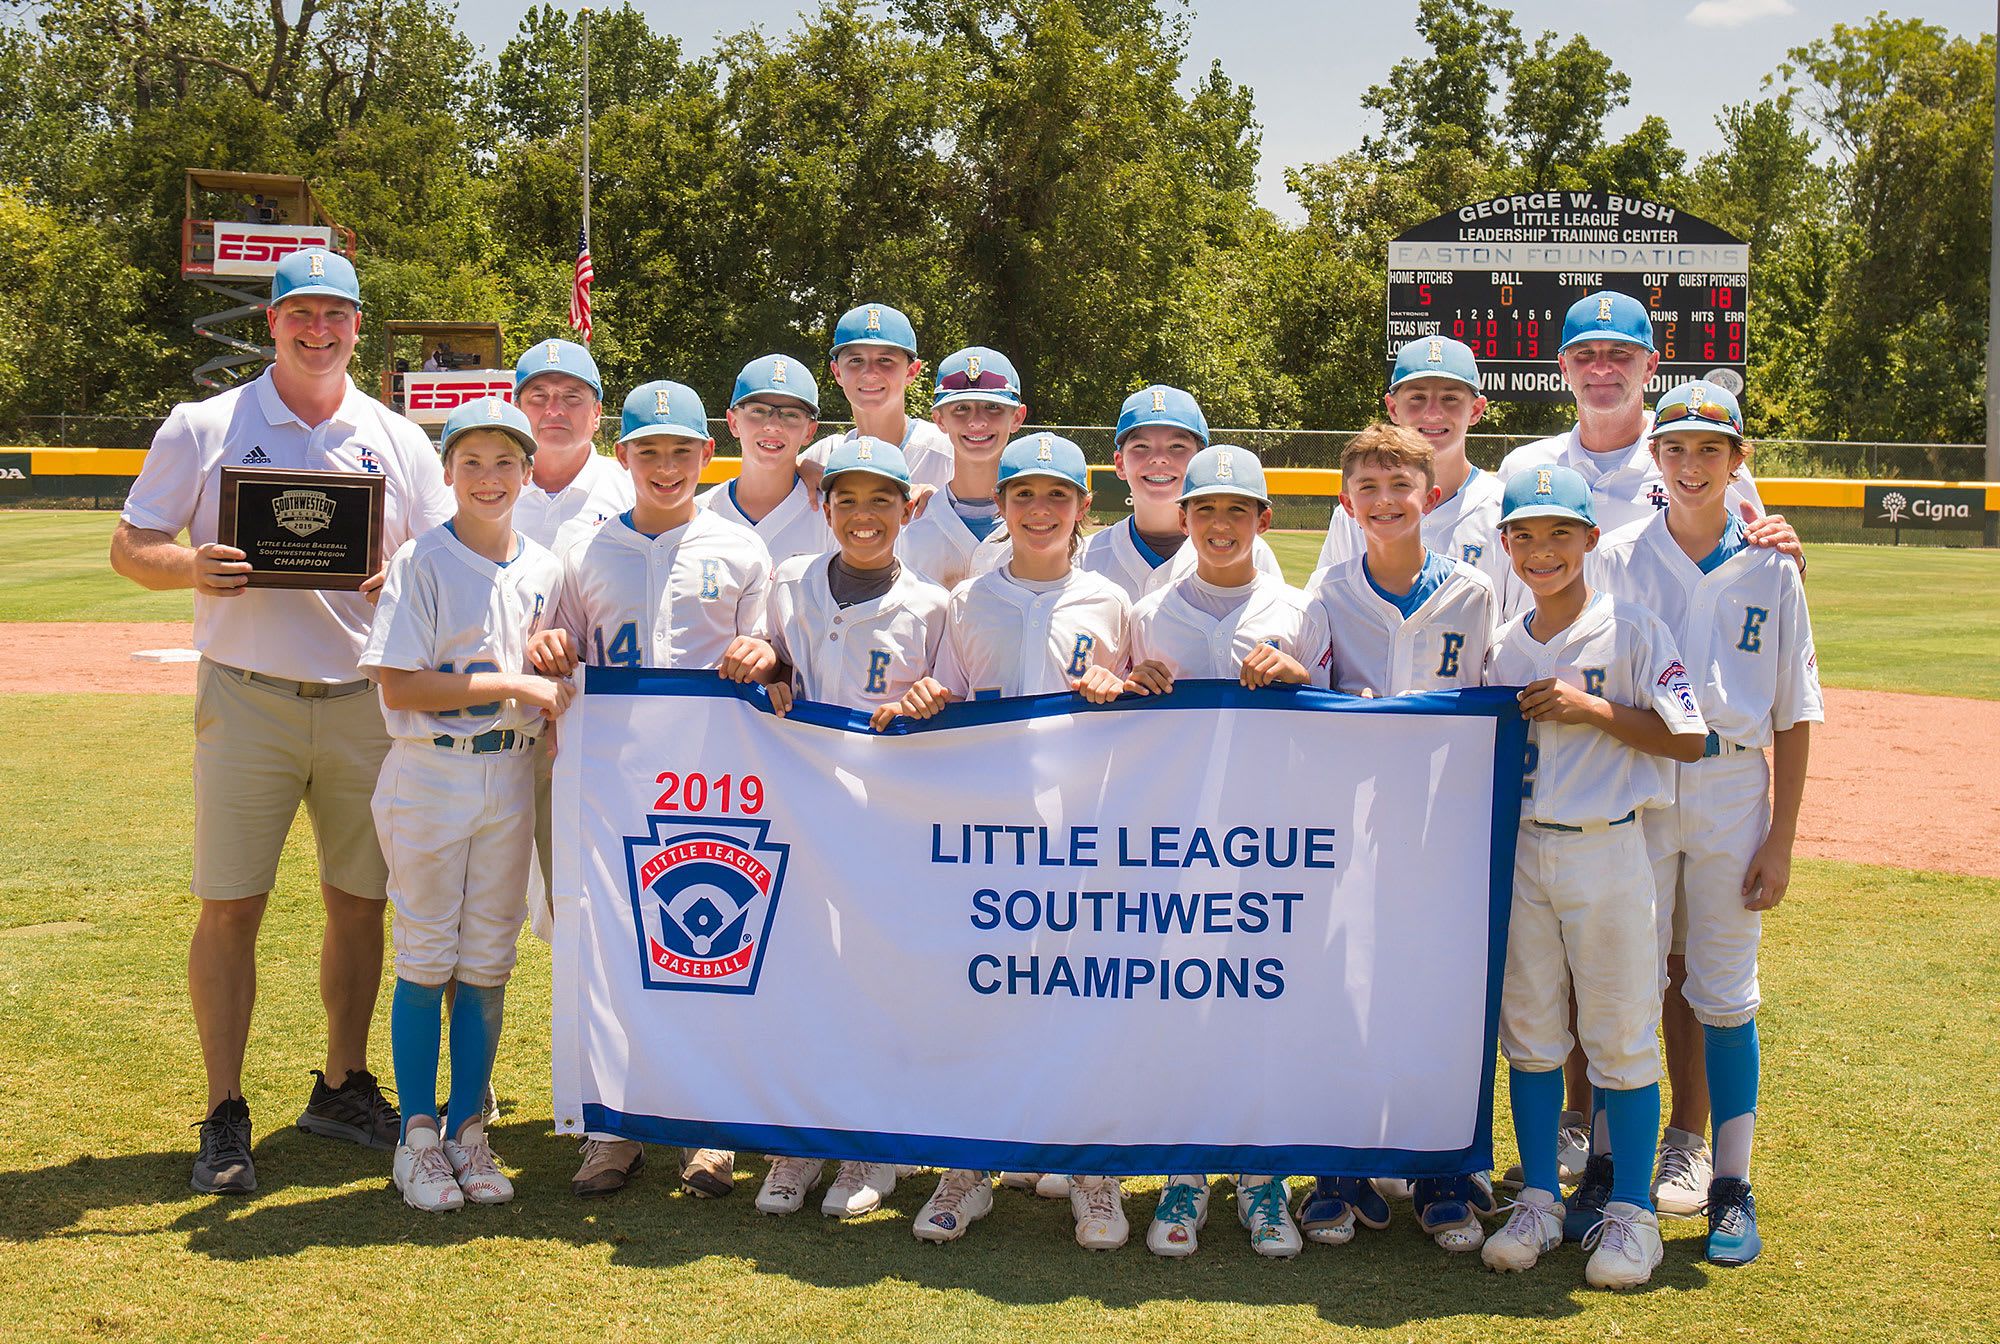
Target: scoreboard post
column 1499, row 274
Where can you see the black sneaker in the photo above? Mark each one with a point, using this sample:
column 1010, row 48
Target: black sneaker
column 1586, row 1204
column 223, row 1166
column 356, row 1111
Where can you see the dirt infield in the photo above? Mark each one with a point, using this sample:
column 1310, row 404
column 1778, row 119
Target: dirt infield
column 1899, row 780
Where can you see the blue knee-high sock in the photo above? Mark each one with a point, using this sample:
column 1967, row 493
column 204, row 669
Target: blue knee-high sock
column 475, row 1037
column 1634, row 1118
column 414, row 1029
column 1537, row 1102
column 1600, row 1127
column 1733, row 1061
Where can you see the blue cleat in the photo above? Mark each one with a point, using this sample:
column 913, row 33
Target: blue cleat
column 1732, row 1222
column 1336, row 1204
column 1445, row 1209
column 1586, row 1206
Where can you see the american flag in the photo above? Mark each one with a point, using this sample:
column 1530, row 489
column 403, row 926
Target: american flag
column 579, row 294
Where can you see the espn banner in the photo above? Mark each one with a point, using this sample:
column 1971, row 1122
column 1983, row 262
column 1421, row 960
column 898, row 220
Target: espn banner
column 1225, row 930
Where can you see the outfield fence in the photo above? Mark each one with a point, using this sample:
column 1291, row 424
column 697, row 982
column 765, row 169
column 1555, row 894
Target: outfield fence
column 89, row 461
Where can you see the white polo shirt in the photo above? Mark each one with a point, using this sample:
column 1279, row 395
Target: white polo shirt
column 1625, row 485
column 602, row 490
column 295, row 633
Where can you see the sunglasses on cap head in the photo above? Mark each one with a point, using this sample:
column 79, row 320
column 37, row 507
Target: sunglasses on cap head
column 1704, row 409
column 958, row 380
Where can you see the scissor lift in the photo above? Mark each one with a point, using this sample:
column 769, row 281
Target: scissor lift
column 238, row 227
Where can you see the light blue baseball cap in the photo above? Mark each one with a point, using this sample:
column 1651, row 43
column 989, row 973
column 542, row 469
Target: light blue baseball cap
column 864, row 453
column 977, row 374
column 1607, row 316
column 1698, row 405
column 1224, row 469
column 1161, row 405
column 775, row 376
column 875, row 324
column 314, row 270
column 557, row 357
column 1044, row 455
column 489, row 413
column 662, row 407
column 1547, row 492
column 1435, row 357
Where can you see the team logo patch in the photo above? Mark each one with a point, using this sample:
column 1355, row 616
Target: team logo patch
column 1223, row 471
column 1604, row 309
column 1437, row 350
column 303, row 512
column 318, row 263
column 1675, row 678
column 1544, row 483
column 874, row 319
column 1159, row 400
column 972, row 366
column 864, row 451
column 778, row 371
column 552, row 353
column 1042, row 453
column 1656, row 495
column 662, row 401
column 495, row 408
column 704, row 897
column 1674, row 670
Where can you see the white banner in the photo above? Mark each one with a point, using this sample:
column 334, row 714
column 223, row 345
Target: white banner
column 256, row 249
column 430, row 396
column 1224, row 930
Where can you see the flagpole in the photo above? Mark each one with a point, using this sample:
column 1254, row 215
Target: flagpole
column 586, row 123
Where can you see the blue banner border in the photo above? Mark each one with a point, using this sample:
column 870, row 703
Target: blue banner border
column 1509, row 759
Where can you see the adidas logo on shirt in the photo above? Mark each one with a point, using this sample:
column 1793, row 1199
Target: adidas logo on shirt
column 255, row 457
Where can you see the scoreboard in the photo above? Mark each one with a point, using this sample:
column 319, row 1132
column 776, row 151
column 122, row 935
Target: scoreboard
column 1499, row 274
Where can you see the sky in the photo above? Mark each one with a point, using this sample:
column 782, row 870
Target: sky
column 1309, row 61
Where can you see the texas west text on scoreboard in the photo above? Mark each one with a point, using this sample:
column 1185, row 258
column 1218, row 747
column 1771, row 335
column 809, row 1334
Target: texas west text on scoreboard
column 1499, row 274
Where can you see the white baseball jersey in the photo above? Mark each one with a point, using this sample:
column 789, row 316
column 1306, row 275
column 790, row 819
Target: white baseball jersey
column 675, row 600
column 1465, row 527
column 1375, row 648
column 793, row 528
column 1625, row 485
column 1578, row 774
column 1003, row 638
column 938, row 545
column 601, row 490
column 446, row 608
column 926, row 448
column 1742, row 629
column 1114, row 552
column 298, row 633
column 1168, row 625
column 860, row 656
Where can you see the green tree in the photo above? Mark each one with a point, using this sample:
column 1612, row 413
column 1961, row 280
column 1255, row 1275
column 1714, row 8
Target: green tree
column 1557, row 100
column 1445, row 99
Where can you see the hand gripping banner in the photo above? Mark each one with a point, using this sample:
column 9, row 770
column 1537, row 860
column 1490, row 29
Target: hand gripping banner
column 1224, row 930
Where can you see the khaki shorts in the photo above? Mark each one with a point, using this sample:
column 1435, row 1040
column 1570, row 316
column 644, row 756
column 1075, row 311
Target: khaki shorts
column 258, row 752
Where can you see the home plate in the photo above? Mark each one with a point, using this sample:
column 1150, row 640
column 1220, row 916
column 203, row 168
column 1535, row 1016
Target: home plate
column 166, row 656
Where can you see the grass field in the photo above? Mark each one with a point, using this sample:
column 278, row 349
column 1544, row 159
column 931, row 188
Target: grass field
column 1879, row 1137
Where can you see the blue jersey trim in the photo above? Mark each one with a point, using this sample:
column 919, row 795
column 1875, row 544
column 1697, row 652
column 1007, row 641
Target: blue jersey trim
column 1152, row 557
column 1430, row 578
column 1497, row 703
column 1732, row 542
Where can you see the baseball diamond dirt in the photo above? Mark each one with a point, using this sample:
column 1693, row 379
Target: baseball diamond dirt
column 1897, row 780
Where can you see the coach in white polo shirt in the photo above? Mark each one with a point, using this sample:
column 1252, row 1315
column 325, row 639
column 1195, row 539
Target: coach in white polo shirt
column 281, row 713
column 556, row 386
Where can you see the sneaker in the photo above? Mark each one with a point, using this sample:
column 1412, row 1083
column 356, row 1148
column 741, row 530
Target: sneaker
column 1263, row 1205
column 423, row 1173
column 1627, row 1247
column 490, row 1106
column 1098, row 1205
column 1572, row 1152
column 1391, row 1187
column 961, row 1199
column 1533, row 1230
column 1052, row 1185
column 1444, row 1206
column 1732, row 1222
column 1327, row 1216
column 787, row 1183
column 1481, row 1195
column 1586, row 1206
column 1680, row 1182
column 858, row 1188
column 607, row 1165
column 708, row 1172
column 1020, row 1180
column 356, row 1111
column 223, row 1165
column 1180, row 1217
column 475, row 1168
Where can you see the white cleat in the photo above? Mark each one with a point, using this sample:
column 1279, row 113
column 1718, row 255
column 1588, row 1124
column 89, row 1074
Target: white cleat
column 1020, row 1180
column 961, row 1199
column 1263, row 1206
column 1572, row 1152
column 858, row 1188
column 423, row 1173
column 1098, row 1205
column 1052, row 1185
column 475, row 1167
column 787, row 1183
column 1680, row 1182
column 1533, row 1230
column 1626, row 1247
column 1177, row 1222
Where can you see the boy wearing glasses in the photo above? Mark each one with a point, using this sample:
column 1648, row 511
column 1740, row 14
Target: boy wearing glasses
column 773, row 414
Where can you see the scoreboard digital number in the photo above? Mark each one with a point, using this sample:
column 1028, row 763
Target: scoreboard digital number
column 1500, row 274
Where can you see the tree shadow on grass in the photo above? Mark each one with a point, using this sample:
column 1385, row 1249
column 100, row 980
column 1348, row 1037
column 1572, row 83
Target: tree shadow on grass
column 316, row 1195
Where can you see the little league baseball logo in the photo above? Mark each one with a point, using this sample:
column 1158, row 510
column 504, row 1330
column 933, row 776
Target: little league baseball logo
column 303, row 512
column 704, row 897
